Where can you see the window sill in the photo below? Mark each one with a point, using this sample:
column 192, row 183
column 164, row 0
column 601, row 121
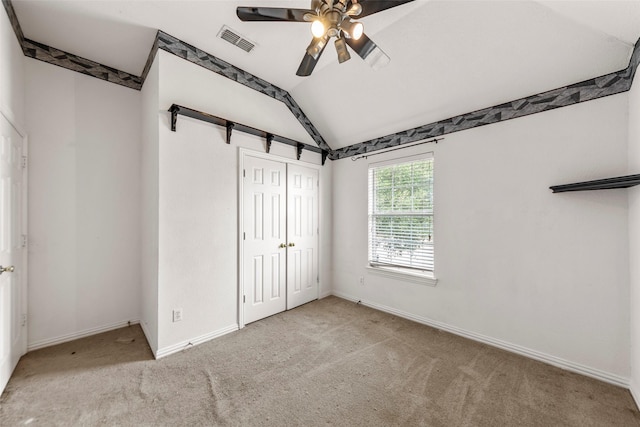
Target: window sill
column 401, row 274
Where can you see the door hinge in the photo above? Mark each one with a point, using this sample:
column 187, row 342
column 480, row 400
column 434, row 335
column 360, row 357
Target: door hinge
column 24, row 162
column 244, row 173
column 244, row 236
column 24, row 240
column 318, row 278
column 244, row 298
column 24, row 320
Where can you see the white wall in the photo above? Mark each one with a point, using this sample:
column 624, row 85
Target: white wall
column 84, row 209
column 634, row 236
column 11, row 74
column 149, row 181
column 198, row 223
column 515, row 263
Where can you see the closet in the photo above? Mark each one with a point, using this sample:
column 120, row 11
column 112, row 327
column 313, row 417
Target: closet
column 279, row 235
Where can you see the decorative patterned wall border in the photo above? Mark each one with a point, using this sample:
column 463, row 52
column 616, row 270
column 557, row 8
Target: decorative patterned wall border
column 587, row 90
column 68, row 60
column 171, row 45
column 199, row 57
column 609, row 84
column 76, row 63
column 11, row 13
column 150, row 58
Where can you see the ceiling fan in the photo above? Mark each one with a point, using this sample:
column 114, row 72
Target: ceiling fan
column 330, row 18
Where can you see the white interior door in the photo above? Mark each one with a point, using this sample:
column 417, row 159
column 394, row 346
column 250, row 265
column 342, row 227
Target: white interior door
column 264, row 233
column 12, row 288
column 302, row 235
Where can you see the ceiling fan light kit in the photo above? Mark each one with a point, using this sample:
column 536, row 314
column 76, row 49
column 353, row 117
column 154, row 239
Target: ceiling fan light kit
column 330, row 18
column 341, row 49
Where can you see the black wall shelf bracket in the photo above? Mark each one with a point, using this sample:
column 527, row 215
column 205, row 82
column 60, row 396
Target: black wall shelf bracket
column 176, row 110
column 174, row 117
column 269, row 141
column 599, row 184
column 230, row 126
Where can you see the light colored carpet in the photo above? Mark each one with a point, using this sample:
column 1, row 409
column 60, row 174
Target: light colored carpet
column 330, row 362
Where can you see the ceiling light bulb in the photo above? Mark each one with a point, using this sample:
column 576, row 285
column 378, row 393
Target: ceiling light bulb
column 355, row 9
column 357, row 30
column 317, row 28
column 352, row 29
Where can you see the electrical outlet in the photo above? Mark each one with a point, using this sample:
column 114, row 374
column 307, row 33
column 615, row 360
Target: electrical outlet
column 362, row 280
column 177, row 314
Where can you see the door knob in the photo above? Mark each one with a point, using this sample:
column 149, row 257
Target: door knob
column 9, row 269
column 282, row 245
column 292, row 244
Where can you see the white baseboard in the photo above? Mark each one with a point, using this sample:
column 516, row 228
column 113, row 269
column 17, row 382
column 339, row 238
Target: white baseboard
column 80, row 334
column 146, row 336
column 635, row 393
column 514, row 348
column 162, row 352
column 325, row 294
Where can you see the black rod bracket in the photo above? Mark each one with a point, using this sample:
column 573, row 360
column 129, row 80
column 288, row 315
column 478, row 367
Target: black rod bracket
column 400, row 147
column 230, row 126
column 325, row 153
column 299, row 149
column 269, row 139
column 174, row 116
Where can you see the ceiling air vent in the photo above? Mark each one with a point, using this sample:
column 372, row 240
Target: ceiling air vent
column 236, row 39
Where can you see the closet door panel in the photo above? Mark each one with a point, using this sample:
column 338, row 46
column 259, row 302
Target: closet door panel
column 302, row 235
column 264, row 227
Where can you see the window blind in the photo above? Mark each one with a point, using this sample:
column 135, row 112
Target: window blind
column 401, row 215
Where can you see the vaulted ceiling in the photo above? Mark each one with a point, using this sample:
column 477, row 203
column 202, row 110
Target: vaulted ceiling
column 447, row 57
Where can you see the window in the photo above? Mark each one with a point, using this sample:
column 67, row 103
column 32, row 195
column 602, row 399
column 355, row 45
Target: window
column 401, row 215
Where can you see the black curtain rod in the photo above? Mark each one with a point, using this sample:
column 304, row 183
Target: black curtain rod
column 364, row 156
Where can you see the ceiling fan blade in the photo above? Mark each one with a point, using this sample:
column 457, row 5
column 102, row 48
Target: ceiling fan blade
column 369, row 51
column 369, row 7
column 272, row 14
column 308, row 64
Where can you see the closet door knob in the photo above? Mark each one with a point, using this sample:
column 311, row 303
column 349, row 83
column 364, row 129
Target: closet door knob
column 9, row 269
column 291, row 244
column 282, row 245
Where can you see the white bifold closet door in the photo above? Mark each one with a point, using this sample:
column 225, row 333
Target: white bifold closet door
column 280, row 236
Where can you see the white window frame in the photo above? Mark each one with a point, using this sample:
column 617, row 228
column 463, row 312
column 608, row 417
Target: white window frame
column 422, row 277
